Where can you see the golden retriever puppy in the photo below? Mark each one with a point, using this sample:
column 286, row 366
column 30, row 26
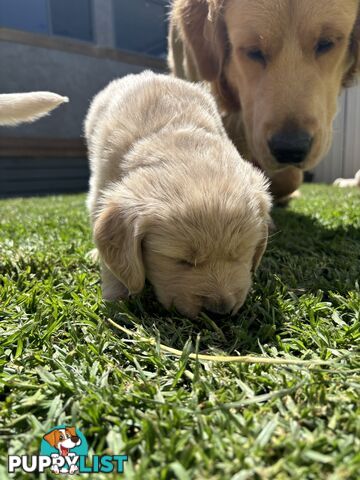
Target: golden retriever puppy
column 348, row 182
column 276, row 69
column 17, row 108
column 170, row 198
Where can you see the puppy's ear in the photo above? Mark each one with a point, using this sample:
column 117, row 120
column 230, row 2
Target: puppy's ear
column 260, row 249
column 52, row 437
column 204, row 32
column 118, row 233
column 354, row 69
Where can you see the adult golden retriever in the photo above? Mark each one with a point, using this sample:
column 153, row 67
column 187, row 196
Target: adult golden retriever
column 171, row 199
column 276, row 68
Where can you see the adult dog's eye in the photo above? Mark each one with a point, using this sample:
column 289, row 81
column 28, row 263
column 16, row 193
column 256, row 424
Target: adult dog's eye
column 257, row 56
column 324, row 46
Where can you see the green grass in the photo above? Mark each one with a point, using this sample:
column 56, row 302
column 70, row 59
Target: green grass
column 179, row 418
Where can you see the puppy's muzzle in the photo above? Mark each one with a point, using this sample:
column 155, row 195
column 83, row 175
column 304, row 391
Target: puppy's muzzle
column 221, row 306
column 290, row 148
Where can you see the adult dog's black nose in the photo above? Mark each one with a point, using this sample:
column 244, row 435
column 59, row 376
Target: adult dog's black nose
column 290, row 147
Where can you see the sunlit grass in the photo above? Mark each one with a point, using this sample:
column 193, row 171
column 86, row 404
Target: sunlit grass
column 178, row 418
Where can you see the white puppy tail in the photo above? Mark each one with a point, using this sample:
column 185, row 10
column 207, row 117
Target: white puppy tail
column 26, row 107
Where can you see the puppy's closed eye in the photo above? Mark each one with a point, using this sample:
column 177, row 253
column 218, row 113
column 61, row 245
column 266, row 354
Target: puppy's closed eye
column 185, row 263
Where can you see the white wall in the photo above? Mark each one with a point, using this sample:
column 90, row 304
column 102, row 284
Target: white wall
column 343, row 159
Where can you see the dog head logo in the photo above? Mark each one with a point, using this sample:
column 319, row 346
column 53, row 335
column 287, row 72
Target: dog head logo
column 64, row 444
column 63, row 439
column 64, row 450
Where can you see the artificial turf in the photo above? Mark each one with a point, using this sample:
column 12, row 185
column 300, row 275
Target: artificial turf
column 178, row 418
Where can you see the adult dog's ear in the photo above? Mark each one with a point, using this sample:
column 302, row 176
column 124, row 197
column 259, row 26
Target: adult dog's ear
column 354, row 68
column 204, row 33
column 118, row 233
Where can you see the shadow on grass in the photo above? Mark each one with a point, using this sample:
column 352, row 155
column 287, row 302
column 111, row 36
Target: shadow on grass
column 303, row 257
column 313, row 255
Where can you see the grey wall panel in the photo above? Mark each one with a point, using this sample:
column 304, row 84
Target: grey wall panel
column 80, row 77
column 331, row 166
column 34, row 176
column 343, row 159
column 104, row 23
column 352, row 134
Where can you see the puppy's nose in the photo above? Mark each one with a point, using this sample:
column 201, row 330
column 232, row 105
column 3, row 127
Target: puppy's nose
column 75, row 439
column 290, row 147
column 221, row 306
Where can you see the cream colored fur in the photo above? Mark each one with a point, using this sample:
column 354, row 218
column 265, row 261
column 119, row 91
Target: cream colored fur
column 17, row 108
column 171, row 200
column 348, row 182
